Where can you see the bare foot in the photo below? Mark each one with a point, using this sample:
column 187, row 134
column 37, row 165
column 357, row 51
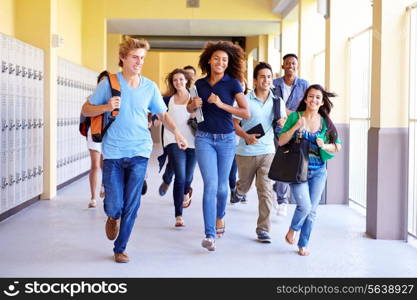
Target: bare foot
column 290, row 237
column 303, row 251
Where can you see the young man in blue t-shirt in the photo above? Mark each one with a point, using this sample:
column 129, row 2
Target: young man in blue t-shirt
column 127, row 144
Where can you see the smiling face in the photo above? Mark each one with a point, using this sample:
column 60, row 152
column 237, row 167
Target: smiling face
column 314, row 100
column 218, row 62
column 179, row 81
column 290, row 66
column 263, row 80
column 133, row 62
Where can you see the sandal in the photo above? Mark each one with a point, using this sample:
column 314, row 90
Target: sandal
column 220, row 229
column 179, row 221
column 102, row 194
column 187, row 203
column 92, row 203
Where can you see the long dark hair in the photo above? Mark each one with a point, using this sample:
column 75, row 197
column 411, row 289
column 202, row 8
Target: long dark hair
column 169, row 81
column 236, row 65
column 324, row 110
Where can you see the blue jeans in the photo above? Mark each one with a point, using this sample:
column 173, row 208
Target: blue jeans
column 123, row 180
column 168, row 173
column 215, row 153
column 183, row 162
column 307, row 195
column 282, row 189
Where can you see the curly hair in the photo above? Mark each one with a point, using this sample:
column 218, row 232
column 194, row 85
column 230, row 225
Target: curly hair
column 324, row 110
column 169, row 81
column 236, row 65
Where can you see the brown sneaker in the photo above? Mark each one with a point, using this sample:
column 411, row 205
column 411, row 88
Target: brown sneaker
column 112, row 228
column 121, row 257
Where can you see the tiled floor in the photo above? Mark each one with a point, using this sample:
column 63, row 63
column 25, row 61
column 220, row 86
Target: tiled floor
column 63, row 238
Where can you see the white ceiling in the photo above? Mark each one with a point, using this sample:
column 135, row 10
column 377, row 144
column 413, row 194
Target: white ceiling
column 175, row 27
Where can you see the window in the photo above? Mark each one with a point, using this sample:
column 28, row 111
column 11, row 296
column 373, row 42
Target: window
column 412, row 171
column 359, row 123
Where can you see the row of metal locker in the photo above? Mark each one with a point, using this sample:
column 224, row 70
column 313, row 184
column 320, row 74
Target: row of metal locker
column 75, row 84
column 22, row 121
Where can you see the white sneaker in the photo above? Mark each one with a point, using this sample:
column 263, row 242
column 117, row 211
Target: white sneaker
column 282, row 209
column 209, row 244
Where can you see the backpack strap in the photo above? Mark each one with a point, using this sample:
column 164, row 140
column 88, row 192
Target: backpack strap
column 115, row 92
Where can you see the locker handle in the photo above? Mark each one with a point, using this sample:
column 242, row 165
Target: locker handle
column 18, row 70
column 4, row 67
column 4, row 183
column 11, row 68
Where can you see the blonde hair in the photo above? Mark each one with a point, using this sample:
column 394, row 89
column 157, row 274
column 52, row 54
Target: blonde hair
column 131, row 44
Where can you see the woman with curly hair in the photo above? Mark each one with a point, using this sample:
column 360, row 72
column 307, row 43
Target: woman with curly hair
column 223, row 64
column 311, row 120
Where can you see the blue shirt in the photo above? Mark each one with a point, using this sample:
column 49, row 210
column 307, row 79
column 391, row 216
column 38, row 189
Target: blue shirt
column 261, row 112
column 217, row 120
column 297, row 91
column 129, row 135
column 314, row 160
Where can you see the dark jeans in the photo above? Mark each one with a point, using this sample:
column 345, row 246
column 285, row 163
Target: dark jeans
column 232, row 175
column 281, row 189
column 123, row 180
column 168, row 173
column 183, row 163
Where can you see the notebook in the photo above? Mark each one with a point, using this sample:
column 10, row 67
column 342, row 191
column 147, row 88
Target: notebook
column 257, row 129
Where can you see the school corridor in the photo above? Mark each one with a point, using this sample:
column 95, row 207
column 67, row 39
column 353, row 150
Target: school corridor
column 51, row 52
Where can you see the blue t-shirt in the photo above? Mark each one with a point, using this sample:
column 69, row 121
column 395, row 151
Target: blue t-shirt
column 217, row 120
column 129, row 135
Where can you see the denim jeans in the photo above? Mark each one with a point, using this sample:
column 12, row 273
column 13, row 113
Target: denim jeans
column 282, row 190
column 183, row 162
column 232, row 176
column 215, row 153
column 307, row 195
column 123, row 180
column 168, row 173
